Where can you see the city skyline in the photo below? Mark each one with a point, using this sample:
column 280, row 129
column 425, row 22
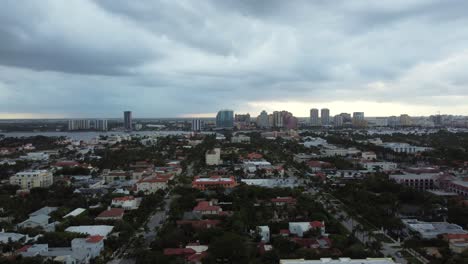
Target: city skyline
column 189, row 59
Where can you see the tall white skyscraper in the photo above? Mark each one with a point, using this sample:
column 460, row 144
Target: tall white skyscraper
column 87, row 124
column 197, row 125
column 325, row 116
column 314, row 117
column 262, row 120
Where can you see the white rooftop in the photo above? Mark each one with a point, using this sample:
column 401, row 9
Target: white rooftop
column 212, row 179
column 75, row 212
column 100, row 230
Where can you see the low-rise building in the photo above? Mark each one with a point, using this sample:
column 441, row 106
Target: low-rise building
column 82, row 250
column 458, row 186
column 207, row 208
column 281, row 201
column 32, row 179
column 213, row 157
column 213, row 182
column 111, row 214
column 458, row 243
column 374, row 166
column 403, row 147
column 126, row 202
column 36, row 156
column 115, row 175
column 299, row 228
column 6, row 237
column 368, row 155
column 40, row 219
column 304, row 157
column 264, row 232
column 91, row 230
column 240, row 139
column 423, row 181
column 152, row 184
column 333, row 151
column 430, row 230
column 318, row 165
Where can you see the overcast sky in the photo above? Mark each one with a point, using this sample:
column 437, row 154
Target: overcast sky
column 174, row 58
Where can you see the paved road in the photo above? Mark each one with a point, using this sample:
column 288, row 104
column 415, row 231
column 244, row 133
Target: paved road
column 388, row 249
column 155, row 221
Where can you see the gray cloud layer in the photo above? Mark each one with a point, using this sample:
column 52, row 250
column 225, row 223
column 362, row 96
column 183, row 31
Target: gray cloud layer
column 168, row 58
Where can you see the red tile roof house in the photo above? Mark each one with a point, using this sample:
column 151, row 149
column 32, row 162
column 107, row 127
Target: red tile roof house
column 111, row 214
column 284, row 232
column 196, row 258
column 207, row 208
column 118, row 201
column 254, row 156
column 317, row 165
column 280, row 201
column 323, row 242
column 193, row 253
column 66, row 163
column 213, row 182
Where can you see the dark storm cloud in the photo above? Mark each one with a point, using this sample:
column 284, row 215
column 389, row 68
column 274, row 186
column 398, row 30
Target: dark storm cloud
column 167, row 57
column 41, row 38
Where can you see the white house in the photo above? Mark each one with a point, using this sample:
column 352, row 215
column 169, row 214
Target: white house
column 264, row 232
column 151, row 184
column 36, row 156
column 373, row 166
column 126, row 202
column 299, row 228
column 213, row 157
column 240, row 139
column 368, row 155
column 92, row 230
column 82, row 250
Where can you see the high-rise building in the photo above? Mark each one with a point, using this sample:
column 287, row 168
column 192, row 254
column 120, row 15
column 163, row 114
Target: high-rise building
column 225, row 119
column 346, row 117
column 262, row 120
column 338, row 121
column 128, row 120
column 325, row 116
column 358, row 119
column 87, row 124
column 242, row 118
column 79, row 124
column 405, row 120
column 99, row 124
column 314, row 117
column 289, row 121
column 393, row 121
column 277, row 119
column 271, row 121
column 197, row 125
column 358, row 116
